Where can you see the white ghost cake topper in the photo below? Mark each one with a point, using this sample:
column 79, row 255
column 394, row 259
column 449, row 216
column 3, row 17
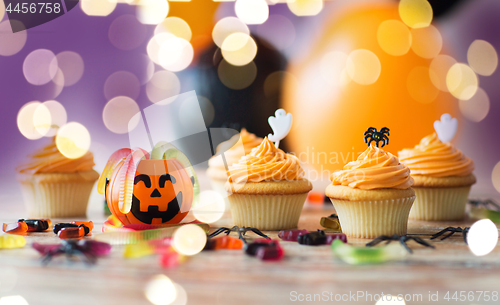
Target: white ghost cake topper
column 281, row 124
column 446, row 128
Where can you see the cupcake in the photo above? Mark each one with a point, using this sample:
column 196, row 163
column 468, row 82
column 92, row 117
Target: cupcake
column 443, row 177
column 268, row 189
column 56, row 186
column 372, row 195
column 234, row 149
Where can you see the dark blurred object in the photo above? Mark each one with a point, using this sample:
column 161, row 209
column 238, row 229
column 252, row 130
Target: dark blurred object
column 443, row 7
column 249, row 107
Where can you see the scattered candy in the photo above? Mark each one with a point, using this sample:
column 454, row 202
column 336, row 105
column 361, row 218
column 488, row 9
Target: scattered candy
column 315, row 197
column 265, row 249
column 331, row 237
column 15, row 228
column 320, row 238
column 90, row 249
column 482, row 213
column 61, row 225
column 171, row 259
column 367, row 255
column 138, row 250
column 11, row 241
column 224, row 242
column 331, row 222
column 37, row 225
column 88, row 224
column 73, row 232
column 291, row 235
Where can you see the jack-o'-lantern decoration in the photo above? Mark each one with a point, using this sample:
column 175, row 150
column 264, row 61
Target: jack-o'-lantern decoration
column 149, row 189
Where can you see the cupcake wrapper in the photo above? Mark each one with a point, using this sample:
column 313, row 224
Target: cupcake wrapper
column 370, row 219
column 267, row 212
column 440, row 203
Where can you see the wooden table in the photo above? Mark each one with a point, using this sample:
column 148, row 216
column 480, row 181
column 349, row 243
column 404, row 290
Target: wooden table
column 231, row 277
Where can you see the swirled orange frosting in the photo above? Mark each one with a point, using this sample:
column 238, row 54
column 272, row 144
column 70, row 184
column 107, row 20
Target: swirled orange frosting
column 234, row 152
column 266, row 163
column 49, row 160
column 436, row 159
column 374, row 169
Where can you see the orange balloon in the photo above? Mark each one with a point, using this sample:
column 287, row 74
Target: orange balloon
column 332, row 109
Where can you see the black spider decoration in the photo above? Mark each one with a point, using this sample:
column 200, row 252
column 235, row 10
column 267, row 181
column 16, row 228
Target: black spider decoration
column 452, row 230
column 371, row 134
column 402, row 239
column 487, row 203
column 88, row 249
column 241, row 232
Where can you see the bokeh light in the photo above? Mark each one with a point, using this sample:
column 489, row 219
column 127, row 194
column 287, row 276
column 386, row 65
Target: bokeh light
column 252, row 11
column 152, row 11
column 461, row 81
column 237, row 77
column 333, row 68
column 154, row 44
column 305, row 7
column 227, row 26
column 476, row 108
column 363, row 66
column 118, row 112
column 72, row 67
column 210, row 207
column 11, row 43
column 163, row 84
column 189, row 239
column 181, row 295
column 482, row 237
column 394, row 37
column 175, row 26
column 175, row 54
column 482, row 57
column 58, row 116
column 495, row 177
column 2, row 10
column 122, row 83
column 40, row 67
column 438, row 70
column 13, row 300
column 25, row 122
column 420, row 86
column 391, row 300
column 274, row 82
column 98, row 7
column 415, row 13
column 239, row 49
column 148, row 69
column 426, row 42
column 160, row 290
column 126, row 32
column 42, row 119
column 73, row 140
column 278, row 30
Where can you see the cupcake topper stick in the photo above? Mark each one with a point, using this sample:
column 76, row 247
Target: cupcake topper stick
column 446, row 127
column 371, row 134
column 281, row 125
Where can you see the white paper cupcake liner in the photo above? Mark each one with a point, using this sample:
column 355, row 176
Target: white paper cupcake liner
column 370, row 219
column 267, row 212
column 440, row 204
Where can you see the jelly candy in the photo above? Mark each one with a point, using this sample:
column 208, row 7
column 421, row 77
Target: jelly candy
column 15, row 228
column 367, row 255
column 330, row 222
column 223, row 242
column 89, row 249
column 59, row 226
column 265, row 249
column 36, row 225
column 331, row 237
column 171, row 259
column 320, row 238
column 481, row 213
column 138, row 250
column 8, row 241
column 73, row 232
column 291, row 235
column 88, row 224
column 315, row 197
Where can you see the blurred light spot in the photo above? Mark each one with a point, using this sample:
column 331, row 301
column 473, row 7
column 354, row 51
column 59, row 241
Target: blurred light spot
column 278, row 30
column 25, row 122
column 363, row 66
column 126, row 32
column 40, row 67
column 73, row 140
column 122, row 83
column 160, row 290
column 239, row 49
column 152, row 11
column 51, row 90
column 210, row 207
column 495, row 177
column 461, row 81
column 58, row 116
column 98, row 7
column 207, row 109
column 394, row 37
column 237, row 77
column 189, row 239
column 415, row 13
column 482, row 57
column 476, row 108
column 175, row 54
column 148, row 70
column 72, row 67
column 2, row 10
column 11, row 43
column 227, row 26
column 175, row 26
column 333, row 68
column 163, row 84
column 154, row 44
column 305, row 7
column 181, row 297
column 426, row 42
column 482, row 237
column 388, row 299
column 438, row 70
column 420, row 86
column 13, row 300
column 118, row 112
column 275, row 81
column 42, row 119
column 252, row 11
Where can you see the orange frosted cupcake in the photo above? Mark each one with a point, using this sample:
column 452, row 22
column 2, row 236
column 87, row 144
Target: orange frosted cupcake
column 372, row 195
column 56, row 186
column 443, row 177
column 268, row 189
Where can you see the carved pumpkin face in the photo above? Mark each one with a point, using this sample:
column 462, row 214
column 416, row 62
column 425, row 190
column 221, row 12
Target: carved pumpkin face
column 162, row 193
